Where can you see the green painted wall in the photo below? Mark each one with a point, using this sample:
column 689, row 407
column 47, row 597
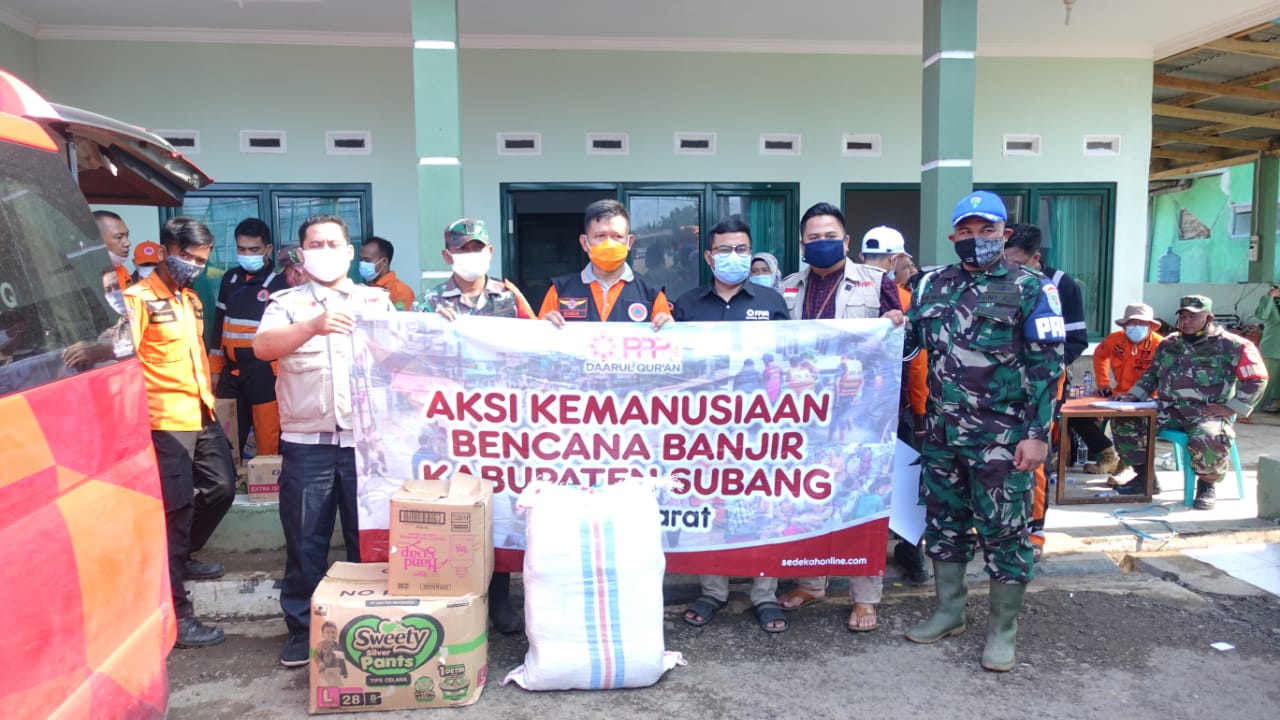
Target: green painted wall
column 1178, row 220
column 18, row 54
column 222, row 89
column 564, row 95
column 1216, row 265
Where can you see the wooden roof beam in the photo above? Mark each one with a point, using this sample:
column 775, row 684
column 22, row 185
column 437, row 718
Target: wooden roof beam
column 1264, row 77
column 1246, row 47
column 1239, row 35
column 1165, row 137
column 1184, row 170
column 1188, row 156
column 1216, row 89
column 1265, row 120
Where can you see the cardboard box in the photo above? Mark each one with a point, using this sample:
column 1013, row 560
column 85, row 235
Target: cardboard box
column 264, row 478
column 441, row 537
column 374, row 651
column 224, row 409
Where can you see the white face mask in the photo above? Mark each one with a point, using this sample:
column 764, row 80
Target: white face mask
column 116, row 260
column 470, row 266
column 144, row 271
column 326, row 264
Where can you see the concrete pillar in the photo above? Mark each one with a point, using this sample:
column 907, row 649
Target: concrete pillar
column 946, row 173
column 1266, row 193
column 436, row 104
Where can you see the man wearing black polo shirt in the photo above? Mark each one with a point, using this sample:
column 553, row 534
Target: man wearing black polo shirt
column 730, row 297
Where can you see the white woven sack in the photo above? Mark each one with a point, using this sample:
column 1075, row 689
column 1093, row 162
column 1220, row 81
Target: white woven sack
column 593, row 568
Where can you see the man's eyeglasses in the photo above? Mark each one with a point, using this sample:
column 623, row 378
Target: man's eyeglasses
column 727, row 250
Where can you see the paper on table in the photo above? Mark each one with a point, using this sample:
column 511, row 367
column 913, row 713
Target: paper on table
column 906, row 516
column 1117, row 405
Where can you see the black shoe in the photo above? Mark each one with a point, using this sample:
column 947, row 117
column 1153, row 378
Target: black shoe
column 194, row 634
column 297, row 649
column 1136, row 486
column 911, row 560
column 1206, row 496
column 506, row 619
column 196, row 570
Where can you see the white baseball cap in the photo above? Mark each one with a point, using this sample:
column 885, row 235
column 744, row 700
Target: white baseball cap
column 884, row 239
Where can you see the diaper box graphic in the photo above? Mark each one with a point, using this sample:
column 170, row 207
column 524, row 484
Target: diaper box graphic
column 441, row 537
column 375, row 651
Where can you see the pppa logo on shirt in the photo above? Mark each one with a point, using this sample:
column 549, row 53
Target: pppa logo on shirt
column 649, row 354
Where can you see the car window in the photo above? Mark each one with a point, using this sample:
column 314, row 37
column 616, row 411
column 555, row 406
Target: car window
column 51, row 266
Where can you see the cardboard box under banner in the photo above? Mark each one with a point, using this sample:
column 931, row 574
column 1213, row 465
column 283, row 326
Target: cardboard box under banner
column 441, row 537
column 264, row 478
column 374, row 651
column 224, row 410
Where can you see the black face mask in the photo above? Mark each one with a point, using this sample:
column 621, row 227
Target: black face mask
column 183, row 272
column 979, row 251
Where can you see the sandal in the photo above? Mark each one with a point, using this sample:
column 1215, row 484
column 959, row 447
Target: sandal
column 804, row 596
column 861, row 611
column 702, row 610
column 768, row 613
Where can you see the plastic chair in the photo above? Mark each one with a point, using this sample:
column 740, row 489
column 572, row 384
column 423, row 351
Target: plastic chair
column 1182, row 459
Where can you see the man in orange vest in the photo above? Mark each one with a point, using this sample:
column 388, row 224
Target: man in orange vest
column 197, row 479
column 146, row 257
column 237, row 372
column 606, row 290
column 375, row 268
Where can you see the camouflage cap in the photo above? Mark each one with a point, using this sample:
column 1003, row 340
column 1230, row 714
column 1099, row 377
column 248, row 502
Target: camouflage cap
column 464, row 231
column 1195, row 303
column 288, row 255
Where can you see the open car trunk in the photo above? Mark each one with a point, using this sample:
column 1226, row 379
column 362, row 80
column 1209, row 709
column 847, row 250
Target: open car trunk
column 121, row 164
column 114, row 162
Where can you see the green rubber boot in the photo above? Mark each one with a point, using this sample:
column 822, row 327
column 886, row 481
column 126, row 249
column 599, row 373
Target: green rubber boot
column 948, row 618
column 1000, row 653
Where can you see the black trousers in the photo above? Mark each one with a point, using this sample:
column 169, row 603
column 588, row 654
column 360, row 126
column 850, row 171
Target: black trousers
column 198, row 484
column 253, row 383
column 1090, row 430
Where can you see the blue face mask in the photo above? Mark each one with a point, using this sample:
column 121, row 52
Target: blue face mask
column 731, row 270
column 251, row 263
column 368, row 270
column 765, row 280
column 823, row 254
column 1136, row 333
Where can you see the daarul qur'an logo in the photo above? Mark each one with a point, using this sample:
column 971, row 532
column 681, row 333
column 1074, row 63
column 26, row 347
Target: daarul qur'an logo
column 646, row 354
column 602, row 348
column 379, row 646
column 975, row 201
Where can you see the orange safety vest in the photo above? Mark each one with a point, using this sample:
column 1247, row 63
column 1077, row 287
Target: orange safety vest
column 168, row 332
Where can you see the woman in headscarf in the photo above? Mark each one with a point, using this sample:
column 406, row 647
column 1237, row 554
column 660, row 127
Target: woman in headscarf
column 764, row 270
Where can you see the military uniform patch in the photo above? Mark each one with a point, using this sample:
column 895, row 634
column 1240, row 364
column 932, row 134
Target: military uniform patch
column 1051, row 294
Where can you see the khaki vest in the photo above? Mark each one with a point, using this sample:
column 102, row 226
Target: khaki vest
column 858, row 296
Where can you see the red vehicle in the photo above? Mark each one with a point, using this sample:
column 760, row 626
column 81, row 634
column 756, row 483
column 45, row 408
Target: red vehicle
column 83, row 560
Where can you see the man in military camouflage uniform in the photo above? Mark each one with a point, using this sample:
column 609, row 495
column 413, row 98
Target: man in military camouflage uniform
column 1201, row 379
column 994, row 335
column 470, row 291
